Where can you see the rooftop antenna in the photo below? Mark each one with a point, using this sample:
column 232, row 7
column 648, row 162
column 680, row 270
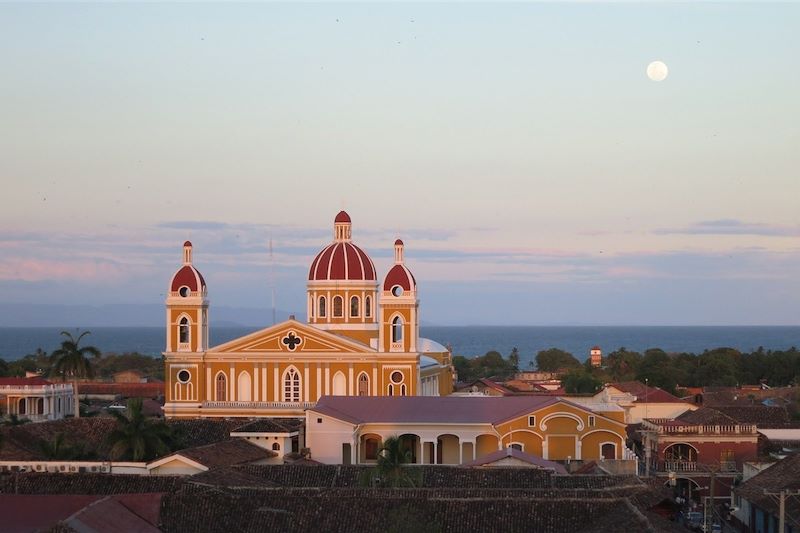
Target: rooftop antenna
column 272, row 279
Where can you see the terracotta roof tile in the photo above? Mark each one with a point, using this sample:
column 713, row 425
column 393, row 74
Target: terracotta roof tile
column 645, row 393
column 226, row 453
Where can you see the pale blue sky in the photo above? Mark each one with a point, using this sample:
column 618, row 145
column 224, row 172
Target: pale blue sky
column 535, row 173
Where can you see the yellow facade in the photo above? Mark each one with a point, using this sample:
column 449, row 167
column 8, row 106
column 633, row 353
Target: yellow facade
column 565, row 431
column 356, row 343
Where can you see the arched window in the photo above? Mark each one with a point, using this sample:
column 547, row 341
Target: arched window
column 244, row 388
column 291, row 385
column 368, row 307
column 183, row 330
column 391, row 389
column 397, row 329
column 222, row 387
column 339, row 384
column 276, row 447
column 371, row 447
column 608, row 450
column 363, row 384
column 402, row 390
column 23, row 406
column 516, row 446
column 354, row 306
column 337, row 306
column 322, row 310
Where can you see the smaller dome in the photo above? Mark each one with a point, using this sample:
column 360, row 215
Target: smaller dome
column 398, row 242
column 342, row 217
column 187, row 276
column 400, row 276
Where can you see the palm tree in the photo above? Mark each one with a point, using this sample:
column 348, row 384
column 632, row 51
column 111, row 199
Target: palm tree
column 58, row 448
column 389, row 470
column 137, row 437
column 71, row 361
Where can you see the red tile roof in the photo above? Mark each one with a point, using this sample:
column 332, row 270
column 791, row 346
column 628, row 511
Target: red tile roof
column 226, row 453
column 127, row 390
column 16, row 382
column 429, row 409
column 517, row 454
column 645, row 394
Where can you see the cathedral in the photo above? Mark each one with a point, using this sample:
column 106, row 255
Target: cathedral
column 361, row 338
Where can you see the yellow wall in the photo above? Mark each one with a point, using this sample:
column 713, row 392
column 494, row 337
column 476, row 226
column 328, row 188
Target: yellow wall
column 313, row 380
column 561, row 425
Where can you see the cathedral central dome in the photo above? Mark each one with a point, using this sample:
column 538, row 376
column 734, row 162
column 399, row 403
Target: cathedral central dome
column 342, row 260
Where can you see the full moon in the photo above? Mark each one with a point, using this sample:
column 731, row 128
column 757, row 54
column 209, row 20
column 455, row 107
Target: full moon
column 657, row 71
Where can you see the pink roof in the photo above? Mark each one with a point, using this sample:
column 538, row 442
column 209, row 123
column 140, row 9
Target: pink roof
column 134, row 513
column 517, row 454
column 27, row 512
column 429, row 409
column 17, row 382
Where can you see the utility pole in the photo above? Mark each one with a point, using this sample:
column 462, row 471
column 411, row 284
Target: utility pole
column 782, row 494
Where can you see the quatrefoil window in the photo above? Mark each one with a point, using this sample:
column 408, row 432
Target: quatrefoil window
column 292, row 341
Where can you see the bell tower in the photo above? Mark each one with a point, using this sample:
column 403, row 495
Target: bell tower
column 399, row 307
column 187, row 308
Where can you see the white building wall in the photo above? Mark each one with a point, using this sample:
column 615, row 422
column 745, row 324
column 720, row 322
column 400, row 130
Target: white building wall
column 325, row 437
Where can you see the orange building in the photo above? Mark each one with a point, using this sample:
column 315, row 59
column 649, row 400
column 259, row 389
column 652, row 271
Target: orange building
column 361, row 339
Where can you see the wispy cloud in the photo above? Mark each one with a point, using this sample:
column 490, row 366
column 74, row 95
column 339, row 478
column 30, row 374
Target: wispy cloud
column 732, row 226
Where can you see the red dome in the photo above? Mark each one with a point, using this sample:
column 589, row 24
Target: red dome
column 187, row 276
column 398, row 242
column 400, row 275
column 342, row 261
column 342, row 217
column 187, row 243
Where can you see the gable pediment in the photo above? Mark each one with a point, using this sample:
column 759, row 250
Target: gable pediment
column 291, row 337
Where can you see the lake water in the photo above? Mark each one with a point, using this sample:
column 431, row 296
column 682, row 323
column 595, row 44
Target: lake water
column 465, row 340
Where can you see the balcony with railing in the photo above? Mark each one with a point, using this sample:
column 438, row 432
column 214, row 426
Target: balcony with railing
column 669, row 427
column 242, row 405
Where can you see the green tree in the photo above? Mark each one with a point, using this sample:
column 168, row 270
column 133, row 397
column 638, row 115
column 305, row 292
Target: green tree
column 513, row 358
column 463, row 370
column 658, row 370
column 70, row 361
column 555, row 359
column 719, row 366
column 136, row 437
column 581, row 381
column 623, row 364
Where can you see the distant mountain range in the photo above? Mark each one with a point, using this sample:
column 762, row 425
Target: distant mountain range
column 121, row 315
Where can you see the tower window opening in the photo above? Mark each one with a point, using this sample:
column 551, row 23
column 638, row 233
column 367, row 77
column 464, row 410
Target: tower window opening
column 183, row 330
column 354, row 307
column 337, row 306
column 397, row 329
column 184, row 291
column 322, row 311
column 368, row 307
